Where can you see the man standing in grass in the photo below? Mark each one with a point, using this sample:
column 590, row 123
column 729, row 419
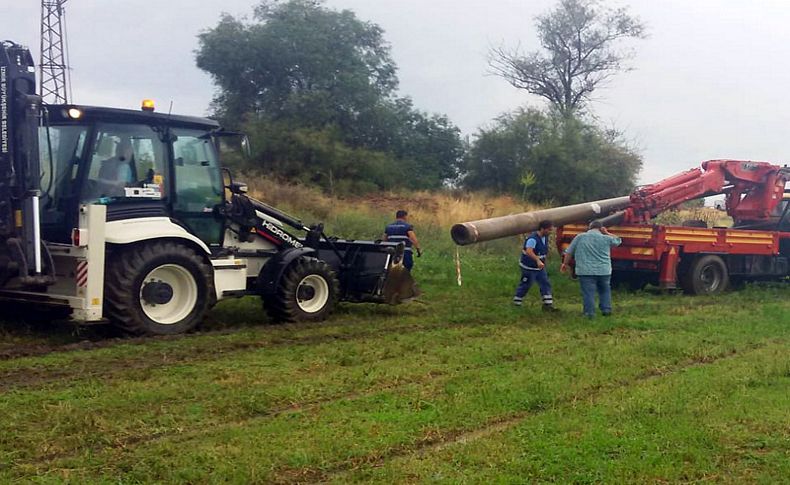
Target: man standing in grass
column 402, row 231
column 533, row 266
column 592, row 251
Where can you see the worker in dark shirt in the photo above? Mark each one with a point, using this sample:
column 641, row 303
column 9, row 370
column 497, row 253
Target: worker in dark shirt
column 402, row 231
column 533, row 266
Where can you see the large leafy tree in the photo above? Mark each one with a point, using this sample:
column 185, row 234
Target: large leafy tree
column 582, row 48
column 318, row 88
column 550, row 158
column 298, row 59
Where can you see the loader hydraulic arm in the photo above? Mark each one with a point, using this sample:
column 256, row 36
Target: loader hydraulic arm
column 20, row 173
column 753, row 190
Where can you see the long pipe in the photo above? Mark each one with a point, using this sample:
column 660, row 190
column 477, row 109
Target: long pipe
column 487, row 229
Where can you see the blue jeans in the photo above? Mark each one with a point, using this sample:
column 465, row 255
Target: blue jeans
column 596, row 284
column 528, row 278
column 408, row 260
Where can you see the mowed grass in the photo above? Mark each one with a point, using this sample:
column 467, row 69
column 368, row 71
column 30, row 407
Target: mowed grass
column 459, row 386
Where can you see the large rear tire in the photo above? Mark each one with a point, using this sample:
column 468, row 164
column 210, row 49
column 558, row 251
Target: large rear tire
column 308, row 291
column 158, row 288
column 707, row 275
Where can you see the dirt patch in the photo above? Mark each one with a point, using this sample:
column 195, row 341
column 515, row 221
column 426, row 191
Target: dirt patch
column 38, row 349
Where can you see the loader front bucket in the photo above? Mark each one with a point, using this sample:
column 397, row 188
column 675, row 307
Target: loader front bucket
column 369, row 271
column 399, row 286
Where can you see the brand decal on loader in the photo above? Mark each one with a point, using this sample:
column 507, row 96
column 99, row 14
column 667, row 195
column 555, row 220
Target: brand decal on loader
column 273, row 230
column 148, row 191
column 3, row 110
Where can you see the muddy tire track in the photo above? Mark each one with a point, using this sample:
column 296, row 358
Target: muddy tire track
column 85, row 369
column 39, row 350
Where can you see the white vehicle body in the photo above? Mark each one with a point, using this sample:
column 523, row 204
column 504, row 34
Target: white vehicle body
column 81, row 266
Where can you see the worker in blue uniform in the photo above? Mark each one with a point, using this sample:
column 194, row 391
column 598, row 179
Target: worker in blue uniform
column 402, row 231
column 533, row 266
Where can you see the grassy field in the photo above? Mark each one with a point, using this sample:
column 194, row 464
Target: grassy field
column 459, row 386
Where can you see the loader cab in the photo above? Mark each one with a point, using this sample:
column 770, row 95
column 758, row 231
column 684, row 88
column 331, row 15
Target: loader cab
column 137, row 163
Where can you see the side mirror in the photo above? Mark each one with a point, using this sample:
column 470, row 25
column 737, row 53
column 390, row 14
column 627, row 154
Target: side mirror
column 238, row 188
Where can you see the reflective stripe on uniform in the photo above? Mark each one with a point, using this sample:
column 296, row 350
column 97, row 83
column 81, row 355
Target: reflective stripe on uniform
column 528, row 268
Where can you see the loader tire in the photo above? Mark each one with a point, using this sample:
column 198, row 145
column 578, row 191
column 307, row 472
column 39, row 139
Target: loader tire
column 158, row 288
column 706, row 275
column 307, row 292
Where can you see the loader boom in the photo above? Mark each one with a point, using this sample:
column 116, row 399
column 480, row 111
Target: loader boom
column 20, row 113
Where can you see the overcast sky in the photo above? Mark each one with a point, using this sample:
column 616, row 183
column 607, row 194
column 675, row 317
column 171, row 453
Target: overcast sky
column 709, row 82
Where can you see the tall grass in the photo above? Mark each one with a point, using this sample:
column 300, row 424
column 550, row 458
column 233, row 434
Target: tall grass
column 710, row 216
column 364, row 216
column 443, row 208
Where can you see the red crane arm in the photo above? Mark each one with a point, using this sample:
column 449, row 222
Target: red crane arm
column 753, row 190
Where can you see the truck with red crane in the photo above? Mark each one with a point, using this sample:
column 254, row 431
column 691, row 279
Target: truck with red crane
column 692, row 256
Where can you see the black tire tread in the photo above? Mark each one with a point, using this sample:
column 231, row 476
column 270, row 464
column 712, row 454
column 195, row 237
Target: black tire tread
column 687, row 278
column 282, row 307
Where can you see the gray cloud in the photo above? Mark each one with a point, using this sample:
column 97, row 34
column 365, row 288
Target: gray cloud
column 708, row 83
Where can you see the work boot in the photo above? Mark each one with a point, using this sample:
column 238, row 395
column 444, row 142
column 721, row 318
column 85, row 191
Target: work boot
column 550, row 308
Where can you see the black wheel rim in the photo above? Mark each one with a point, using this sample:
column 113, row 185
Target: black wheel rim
column 710, row 277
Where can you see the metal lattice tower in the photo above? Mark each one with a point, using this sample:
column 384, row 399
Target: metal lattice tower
column 54, row 79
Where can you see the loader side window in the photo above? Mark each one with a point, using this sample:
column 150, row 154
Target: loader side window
column 198, row 184
column 127, row 162
column 65, row 145
column 61, row 148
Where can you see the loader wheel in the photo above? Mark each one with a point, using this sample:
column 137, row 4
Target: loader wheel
column 307, row 291
column 158, row 288
column 706, row 275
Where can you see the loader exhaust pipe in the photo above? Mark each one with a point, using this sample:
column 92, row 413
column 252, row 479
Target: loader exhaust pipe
column 473, row 232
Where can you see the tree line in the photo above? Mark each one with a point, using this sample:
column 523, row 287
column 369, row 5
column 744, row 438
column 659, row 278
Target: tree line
column 317, row 91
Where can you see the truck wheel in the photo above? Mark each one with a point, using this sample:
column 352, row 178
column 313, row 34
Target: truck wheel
column 158, row 288
column 307, row 291
column 706, row 275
